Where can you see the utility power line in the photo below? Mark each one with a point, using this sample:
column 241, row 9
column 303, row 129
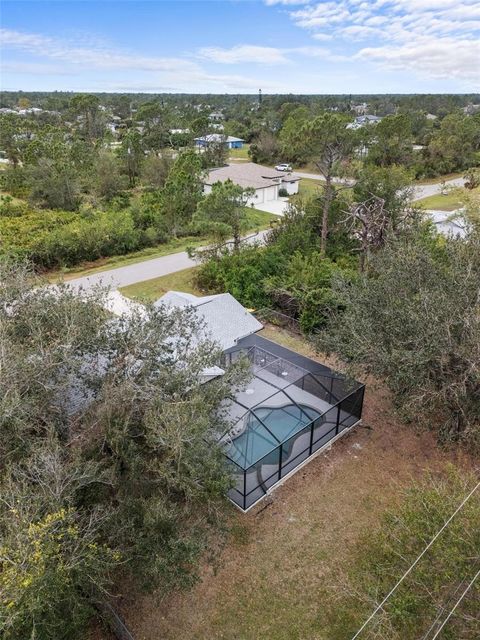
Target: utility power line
column 443, row 608
column 470, row 585
column 408, row 571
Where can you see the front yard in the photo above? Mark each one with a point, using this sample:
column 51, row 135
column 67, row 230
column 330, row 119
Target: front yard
column 439, row 202
column 239, row 154
column 151, row 290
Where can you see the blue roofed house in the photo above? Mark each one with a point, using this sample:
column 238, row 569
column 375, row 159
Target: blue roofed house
column 216, row 138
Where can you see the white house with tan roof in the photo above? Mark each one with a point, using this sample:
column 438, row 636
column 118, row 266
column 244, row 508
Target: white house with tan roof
column 265, row 182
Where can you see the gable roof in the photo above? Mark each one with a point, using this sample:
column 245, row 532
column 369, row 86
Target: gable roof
column 226, row 320
column 249, row 174
column 218, row 137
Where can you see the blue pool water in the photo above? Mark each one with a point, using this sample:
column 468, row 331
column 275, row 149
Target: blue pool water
column 256, row 441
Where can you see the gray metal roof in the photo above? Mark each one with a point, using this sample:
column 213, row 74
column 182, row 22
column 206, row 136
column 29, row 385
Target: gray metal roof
column 226, row 320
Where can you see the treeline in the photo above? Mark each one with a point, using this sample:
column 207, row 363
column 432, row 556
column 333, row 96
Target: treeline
column 97, row 184
column 426, row 147
column 438, row 104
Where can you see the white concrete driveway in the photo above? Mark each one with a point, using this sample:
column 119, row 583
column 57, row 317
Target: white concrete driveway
column 277, row 207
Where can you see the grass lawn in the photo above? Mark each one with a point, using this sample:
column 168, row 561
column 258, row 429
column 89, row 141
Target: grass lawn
column 257, row 220
column 239, row 154
column 309, row 187
column 151, row 290
column 448, row 202
column 281, row 574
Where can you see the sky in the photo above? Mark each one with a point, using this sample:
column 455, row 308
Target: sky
column 241, row 46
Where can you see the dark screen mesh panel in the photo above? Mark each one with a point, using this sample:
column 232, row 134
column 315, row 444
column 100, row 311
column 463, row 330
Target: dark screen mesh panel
column 237, row 475
column 253, row 497
column 325, row 425
column 311, row 385
column 261, row 358
column 296, row 450
column 237, row 497
column 324, row 439
column 263, row 472
column 351, row 408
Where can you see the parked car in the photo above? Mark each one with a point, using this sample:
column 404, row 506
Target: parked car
column 283, row 167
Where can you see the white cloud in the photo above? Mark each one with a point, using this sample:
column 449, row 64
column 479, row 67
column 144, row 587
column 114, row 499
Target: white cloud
column 323, row 36
column 72, row 57
column 99, row 57
column 266, row 55
column 34, row 68
column 243, row 53
column 430, row 57
column 431, row 38
column 318, row 52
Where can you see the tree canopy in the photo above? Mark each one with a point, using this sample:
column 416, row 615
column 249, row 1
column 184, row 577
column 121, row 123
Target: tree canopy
column 108, row 457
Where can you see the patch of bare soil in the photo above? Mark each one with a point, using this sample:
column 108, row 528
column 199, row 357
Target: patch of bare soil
column 273, row 580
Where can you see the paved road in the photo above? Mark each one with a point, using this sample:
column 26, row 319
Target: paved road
column 426, row 190
column 419, row 191
column 146, row 270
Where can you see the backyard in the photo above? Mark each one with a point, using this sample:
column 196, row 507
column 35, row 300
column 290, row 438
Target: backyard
column 276, row 576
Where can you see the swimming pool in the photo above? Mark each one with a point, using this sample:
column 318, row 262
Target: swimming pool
column 265, row 428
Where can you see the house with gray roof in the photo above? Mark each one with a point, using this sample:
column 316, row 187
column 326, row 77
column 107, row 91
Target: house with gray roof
column 225, row 320
column 362, row 121
column 265, row 181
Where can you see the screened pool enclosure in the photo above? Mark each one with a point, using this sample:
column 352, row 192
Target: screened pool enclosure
column 291, row 408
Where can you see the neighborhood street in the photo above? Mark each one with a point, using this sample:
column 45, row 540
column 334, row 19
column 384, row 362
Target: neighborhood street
column 156, row 267
column 147, row 270
column 419, row 191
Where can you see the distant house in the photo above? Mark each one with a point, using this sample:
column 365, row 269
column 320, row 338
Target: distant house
column 362, row 121
column 265, row 182
column 431, row 116
column 224, row 319
column 360, row 109
column 470, row 109
column 216, row 138
column 215, row 116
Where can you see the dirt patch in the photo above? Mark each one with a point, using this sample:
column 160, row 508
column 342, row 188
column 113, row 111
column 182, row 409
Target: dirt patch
column 274, row 578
